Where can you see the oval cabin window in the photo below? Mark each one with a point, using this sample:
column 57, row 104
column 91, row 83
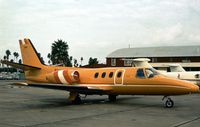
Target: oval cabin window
column 96, row 75
column 119, row 74
column 111, row 75
column 103, row 75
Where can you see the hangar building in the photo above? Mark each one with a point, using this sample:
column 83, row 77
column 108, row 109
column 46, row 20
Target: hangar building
column 186, row 56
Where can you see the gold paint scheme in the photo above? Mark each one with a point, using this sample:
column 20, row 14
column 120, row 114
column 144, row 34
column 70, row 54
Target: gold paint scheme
column 110, row 81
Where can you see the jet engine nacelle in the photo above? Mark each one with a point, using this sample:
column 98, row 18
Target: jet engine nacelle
column 63, row 77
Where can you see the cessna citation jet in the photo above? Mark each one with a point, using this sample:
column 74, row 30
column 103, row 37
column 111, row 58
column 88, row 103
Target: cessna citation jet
column 100, row 81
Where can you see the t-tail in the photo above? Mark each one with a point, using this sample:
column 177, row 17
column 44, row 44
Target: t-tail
column 176, row 68
column 29, row 54
column 30, row 58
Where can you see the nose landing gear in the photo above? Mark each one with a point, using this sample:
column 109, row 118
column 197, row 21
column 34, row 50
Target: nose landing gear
column 169, row 103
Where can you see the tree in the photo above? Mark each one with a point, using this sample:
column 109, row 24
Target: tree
column 59, row 53
column 4, row 57
column 20, row 61
column 71, row 58
column 93, row 61
column 49, row 56
column 16, row 55
column 8, row 53
column 81, row 60
column 41, row 58
column 75, row 63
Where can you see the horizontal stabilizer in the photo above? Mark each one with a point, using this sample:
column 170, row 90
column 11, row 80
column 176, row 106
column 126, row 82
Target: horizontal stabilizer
column 20, row 66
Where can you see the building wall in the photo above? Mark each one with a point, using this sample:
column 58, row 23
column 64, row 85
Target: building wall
column 119, row 62
column 189, row 63
column 175, row 59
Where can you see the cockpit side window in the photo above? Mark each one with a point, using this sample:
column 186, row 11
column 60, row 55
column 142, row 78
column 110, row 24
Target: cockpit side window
column 140, row 73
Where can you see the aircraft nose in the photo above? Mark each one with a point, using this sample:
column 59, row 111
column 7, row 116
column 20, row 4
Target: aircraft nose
column 194, row 88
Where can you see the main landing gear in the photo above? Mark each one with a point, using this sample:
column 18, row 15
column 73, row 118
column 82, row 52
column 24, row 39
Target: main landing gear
column 75, row 98
column 169, row 103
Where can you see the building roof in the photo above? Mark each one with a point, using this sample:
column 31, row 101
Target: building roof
column 165, row 51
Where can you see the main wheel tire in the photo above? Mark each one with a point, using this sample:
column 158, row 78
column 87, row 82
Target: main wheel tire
column 77, row 100
column 112, row 98
column 169, row 103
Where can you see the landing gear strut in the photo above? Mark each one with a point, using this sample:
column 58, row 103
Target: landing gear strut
column 112, row 98
column 74, row 98
column 77, row 100
column 169, row 103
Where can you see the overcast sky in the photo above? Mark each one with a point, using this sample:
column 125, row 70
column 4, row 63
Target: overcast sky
column 97, row 27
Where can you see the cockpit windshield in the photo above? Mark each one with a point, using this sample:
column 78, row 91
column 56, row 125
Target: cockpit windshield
column 150, row 72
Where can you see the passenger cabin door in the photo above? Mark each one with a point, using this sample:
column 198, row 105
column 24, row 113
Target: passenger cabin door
column 119, row 77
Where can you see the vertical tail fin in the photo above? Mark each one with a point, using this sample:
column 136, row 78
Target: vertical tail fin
column 29, row 53
column 142, row 62
column 176, row 68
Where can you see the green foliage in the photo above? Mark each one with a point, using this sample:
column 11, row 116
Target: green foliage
column 49, row 57
column 92, row 61
column 75, row 63
column 20, row 61
column 4, row 57
column 59, row 53
column 81, row 61
column 8, row 53
column 41, row 58
column 16, row 55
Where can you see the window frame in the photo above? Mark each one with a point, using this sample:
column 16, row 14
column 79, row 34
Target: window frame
column 113, row 61
column 128, row 63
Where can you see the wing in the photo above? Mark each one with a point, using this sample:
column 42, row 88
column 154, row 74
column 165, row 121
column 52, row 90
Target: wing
column 20, row 66
column 82, row 88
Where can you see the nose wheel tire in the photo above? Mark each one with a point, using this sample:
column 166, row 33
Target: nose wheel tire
column 169, row 103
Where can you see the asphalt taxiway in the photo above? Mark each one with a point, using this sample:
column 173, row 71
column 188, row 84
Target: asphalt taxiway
column 36, row 107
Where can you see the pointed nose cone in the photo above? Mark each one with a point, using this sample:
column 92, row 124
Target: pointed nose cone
column 194, row 88
column 189, row 86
